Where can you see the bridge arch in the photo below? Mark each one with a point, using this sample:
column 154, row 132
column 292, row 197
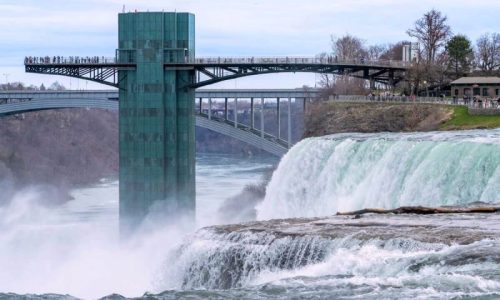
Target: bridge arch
column 219, row 126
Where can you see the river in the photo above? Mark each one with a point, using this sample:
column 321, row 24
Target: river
column 74, row 249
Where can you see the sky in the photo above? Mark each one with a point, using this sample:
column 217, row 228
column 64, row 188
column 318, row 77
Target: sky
column 223, row 28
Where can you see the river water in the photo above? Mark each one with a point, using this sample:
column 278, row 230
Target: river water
column 74, row 249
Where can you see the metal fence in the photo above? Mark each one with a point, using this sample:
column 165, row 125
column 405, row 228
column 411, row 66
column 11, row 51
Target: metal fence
column 471, row 103
column 326, row 60
column 55, row 60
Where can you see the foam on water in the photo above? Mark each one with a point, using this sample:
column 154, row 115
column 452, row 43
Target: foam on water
column 292, row 264
column 321, row 176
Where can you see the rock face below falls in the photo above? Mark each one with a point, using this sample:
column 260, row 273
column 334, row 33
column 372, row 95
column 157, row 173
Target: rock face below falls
column 444, row 229
column 333, row 117
column 229, row 256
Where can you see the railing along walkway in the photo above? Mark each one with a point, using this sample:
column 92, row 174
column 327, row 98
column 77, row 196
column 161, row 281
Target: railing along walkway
column 490, row 103
column 326, row 60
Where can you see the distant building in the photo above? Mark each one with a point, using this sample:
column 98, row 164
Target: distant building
column 485, row 87
column 410, row 52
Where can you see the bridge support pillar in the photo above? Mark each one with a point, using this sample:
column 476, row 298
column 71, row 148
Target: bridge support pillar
column 252, row 115
column 262, row 117
column 290, row 122
column 236, row 112
column 156, row 115
column 372, row 84
column 225, row 109
column 391, row 79
column 279, row 117
column 210, row 108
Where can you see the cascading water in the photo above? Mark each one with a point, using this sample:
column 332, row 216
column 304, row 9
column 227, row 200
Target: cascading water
column 387, row 257
column 378, row 257
column 333, row 257
column 321, row 176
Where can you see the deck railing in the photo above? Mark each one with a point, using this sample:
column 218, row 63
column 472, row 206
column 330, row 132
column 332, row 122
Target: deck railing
column 479, row 103
column 324, row 60
column 65, row 60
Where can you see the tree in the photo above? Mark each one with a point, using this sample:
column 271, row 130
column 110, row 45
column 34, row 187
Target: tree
column 394, row 51
column 348, row 47
column 376, row 51
column 42, row 87
column 460, row 55
column 431, row 31
column 488, row 52
column 56, row 86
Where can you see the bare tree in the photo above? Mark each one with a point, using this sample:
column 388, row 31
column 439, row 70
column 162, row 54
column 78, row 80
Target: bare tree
column 375, row 51
column 488, row 52
column 394, row 51
column 432, row 32
column 348, row 47
column 56, row 86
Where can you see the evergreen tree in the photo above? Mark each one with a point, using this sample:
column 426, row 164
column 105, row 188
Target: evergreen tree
column 460, row 55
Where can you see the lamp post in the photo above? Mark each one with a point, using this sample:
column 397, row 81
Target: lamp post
column 426, row 89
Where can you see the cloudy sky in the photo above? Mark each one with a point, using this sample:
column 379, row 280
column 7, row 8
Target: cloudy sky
column 223, row 28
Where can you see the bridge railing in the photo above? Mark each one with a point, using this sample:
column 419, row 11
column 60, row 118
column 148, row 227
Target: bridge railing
column 326, row 60
column 490, row 103
column 68, row 60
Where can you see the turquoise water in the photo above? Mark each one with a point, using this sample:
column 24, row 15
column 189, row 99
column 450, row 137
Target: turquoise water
column 345, row 172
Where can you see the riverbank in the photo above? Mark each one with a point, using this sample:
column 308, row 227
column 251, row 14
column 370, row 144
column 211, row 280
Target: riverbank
column 68, row 148
column 463, row 119
column 325, row 118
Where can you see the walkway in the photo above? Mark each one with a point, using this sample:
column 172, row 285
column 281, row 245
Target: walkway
column 211, row 70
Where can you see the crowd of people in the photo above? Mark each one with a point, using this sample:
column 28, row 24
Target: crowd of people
column 64, row 60
column 478, row 102
column 475, row 102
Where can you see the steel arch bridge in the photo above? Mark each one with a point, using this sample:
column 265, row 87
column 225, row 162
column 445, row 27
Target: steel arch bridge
column 28, row 101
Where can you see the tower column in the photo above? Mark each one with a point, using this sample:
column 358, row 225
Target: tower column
column 156, row 116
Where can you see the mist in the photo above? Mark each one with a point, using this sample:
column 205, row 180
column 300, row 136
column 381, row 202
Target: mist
column 74, row 247
column 66, row 250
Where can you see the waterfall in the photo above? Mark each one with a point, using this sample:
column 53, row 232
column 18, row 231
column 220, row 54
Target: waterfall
column 222, row 260
column 332, row 255
column 338, row 249
column 344, row 172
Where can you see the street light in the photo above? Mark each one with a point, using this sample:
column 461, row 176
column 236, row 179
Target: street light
column 426, row 89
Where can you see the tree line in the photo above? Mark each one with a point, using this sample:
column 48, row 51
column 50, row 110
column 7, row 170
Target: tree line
column 442, row 56
column 19, row 86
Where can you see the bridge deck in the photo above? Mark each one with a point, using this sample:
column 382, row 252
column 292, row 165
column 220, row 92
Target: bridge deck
column 215, row 69
column 223, row 61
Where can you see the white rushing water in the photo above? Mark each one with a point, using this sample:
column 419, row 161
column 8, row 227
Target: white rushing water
column 295, row 265
column 345, row 172
column 74, row 248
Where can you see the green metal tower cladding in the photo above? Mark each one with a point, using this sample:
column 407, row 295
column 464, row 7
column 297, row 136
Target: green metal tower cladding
column 156, row 113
